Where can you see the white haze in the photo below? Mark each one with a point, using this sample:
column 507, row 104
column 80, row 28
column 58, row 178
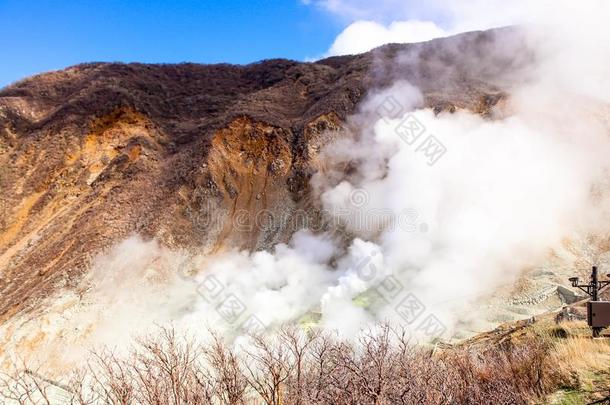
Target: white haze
column 362, row 36
column 506, row 191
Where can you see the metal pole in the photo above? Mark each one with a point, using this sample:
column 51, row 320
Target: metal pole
column 594, row 285
column 592, row 290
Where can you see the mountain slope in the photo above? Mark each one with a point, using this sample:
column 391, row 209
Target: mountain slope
column 96, row 152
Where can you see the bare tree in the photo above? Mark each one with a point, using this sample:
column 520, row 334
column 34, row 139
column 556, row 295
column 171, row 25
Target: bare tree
column 296, row 367
column 229, row 381
column 269, row 364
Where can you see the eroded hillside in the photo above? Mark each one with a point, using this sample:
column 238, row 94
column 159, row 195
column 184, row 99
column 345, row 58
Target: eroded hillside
column 96, row 152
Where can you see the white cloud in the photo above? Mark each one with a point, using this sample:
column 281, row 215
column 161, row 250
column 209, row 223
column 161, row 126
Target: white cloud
column 406, row 21
column 381, row 10
column 372, row 24
column 362, row 36
column 451, row 14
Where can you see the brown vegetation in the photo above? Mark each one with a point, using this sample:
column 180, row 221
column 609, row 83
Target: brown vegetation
column 297, row 367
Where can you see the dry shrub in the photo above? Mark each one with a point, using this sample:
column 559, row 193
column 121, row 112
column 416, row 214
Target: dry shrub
column 506, row 374
column 583, row 353
column 294, row 367
column 580, row 358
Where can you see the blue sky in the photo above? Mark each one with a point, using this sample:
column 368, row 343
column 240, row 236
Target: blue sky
column 42, row 35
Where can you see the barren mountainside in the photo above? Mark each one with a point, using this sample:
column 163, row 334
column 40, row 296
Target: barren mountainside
column 96, row 152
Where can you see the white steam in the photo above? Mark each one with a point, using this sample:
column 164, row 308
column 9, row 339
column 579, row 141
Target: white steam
column 362, row 36
column 505, row 192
